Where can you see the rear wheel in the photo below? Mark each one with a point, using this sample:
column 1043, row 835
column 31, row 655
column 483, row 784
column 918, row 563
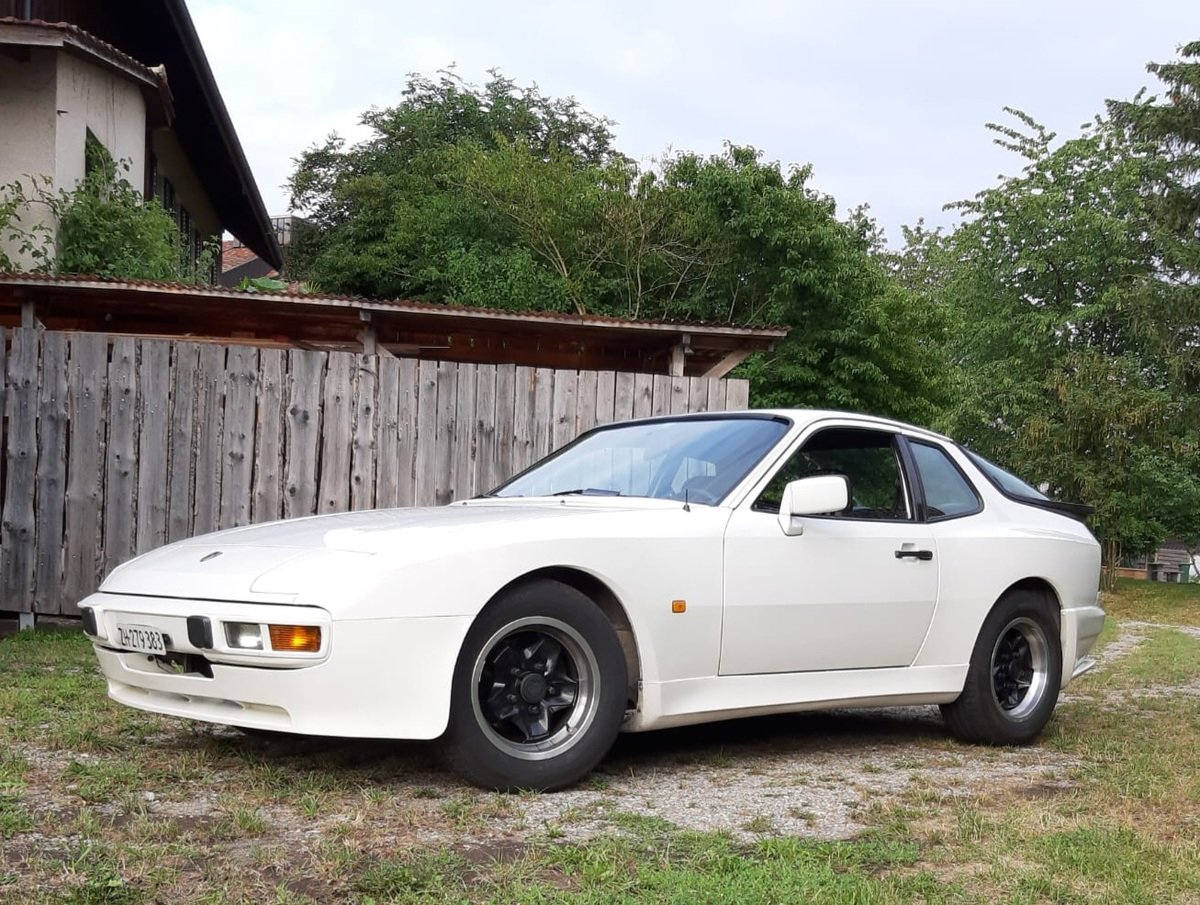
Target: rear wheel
column 539, row 690
column 1014, row 676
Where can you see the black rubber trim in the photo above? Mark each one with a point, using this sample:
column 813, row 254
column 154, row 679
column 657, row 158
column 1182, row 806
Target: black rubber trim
column 89, row 621
column 1077, row 511
column 200, row 632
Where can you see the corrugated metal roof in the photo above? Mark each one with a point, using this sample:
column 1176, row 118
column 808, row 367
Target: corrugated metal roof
column 110, row 284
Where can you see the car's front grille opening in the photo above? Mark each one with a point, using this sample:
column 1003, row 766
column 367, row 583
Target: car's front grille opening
column 183, row 664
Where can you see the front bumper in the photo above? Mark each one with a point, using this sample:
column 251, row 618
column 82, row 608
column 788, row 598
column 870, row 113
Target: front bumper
column 1081, row 626
column 376, row 678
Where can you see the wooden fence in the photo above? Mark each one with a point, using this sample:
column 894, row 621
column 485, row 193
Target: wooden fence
column 114, row 446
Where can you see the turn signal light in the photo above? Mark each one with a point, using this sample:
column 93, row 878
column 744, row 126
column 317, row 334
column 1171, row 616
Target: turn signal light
column 301, row 638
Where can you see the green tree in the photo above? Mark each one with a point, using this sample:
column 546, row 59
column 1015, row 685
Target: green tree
column 498, row 196
column 1172, row 126
column 1070, row 363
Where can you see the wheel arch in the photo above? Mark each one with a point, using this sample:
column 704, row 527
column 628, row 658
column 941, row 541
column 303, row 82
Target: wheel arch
column 1039, row 586
column 610, row 605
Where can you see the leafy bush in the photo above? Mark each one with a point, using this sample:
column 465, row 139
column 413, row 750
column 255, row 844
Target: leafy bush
column 105, row 228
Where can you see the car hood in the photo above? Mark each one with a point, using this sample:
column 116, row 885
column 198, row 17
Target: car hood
column 276, row 561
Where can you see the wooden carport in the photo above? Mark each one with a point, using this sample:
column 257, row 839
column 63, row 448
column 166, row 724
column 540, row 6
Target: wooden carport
column 425, row 330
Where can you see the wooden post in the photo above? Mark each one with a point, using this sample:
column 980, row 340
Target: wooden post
column 28, row 315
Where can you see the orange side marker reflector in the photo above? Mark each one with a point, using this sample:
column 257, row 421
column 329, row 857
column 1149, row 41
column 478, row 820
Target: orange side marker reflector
column 302, row 638
column 678, row 606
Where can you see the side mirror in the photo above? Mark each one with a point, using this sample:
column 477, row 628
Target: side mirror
column 812, row 496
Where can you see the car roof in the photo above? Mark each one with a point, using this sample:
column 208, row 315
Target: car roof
column 805, row 417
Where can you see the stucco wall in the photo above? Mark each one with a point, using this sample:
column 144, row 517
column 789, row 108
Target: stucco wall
column 47, row 104
column 109, row 104
column 173, row 164
column 27, row 127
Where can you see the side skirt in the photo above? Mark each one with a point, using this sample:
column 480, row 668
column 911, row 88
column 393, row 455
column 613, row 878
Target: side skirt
column 706, row 700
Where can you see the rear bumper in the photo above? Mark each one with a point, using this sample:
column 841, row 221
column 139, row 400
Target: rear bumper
column 380, row 678
column 1081, row 626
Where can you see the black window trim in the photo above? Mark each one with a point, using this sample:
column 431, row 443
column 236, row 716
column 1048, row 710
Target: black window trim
column 1077, row 511
column 911, row 462
column 906, row 474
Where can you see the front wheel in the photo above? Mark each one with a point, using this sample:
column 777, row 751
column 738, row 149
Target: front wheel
column 539, row 690
column 1014, row 676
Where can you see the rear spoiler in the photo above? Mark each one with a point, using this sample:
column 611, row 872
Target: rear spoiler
column 1078, row 511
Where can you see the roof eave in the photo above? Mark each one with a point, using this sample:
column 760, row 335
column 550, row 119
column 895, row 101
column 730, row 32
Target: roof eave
column 263, row 243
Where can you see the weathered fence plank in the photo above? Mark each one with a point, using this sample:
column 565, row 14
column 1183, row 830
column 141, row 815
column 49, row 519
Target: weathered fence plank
column 337, row 433
column 661, row 404
column 303, row 432
column 737, row 395
column 525, row 390
column 154, row 393
column 120, row 473
column 85, row 465
column 562, row 418
column 51, row 474
column 210, row 405
column 643, row 395
column 406, row 423
column 107, row 455
column 716, row 395
column 485, row 429
column 182, row 459
column 443, row 440
column 237, row 454
column 624, row 391
column 506, row 384
column 606, row 394
column 362, row 458
column 425, row 462
column 543, row 412
column 679, row 395
column 465, row 436
column 267, row 503
column 387, row 415
column 697, row 395
column 18, row 542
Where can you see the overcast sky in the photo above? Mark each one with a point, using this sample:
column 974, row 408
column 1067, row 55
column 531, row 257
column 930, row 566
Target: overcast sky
column 887, row 101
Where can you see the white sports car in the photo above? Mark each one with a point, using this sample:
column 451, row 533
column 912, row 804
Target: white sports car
column 652, row 573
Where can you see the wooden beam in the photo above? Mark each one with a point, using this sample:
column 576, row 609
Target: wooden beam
column 367, row 337
column 678, row 353
column 727, row 364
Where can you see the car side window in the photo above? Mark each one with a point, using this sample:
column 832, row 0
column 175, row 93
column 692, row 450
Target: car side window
column 870, row 460
column 947, row 492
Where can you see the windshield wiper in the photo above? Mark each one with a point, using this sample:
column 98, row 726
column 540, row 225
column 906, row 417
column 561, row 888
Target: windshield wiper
column 587, row 491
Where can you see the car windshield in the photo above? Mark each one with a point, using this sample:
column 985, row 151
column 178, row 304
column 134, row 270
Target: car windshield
column 699, row 460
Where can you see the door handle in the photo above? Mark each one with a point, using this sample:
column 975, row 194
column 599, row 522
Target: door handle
column 923, row 555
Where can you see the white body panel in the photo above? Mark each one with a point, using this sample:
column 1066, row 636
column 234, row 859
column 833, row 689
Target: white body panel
column 829, row 617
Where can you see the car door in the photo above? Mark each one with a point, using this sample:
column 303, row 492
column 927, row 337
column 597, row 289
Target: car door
column 854, row 590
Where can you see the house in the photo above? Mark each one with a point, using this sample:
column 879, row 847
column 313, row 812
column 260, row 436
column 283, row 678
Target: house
column 132, row 79
column 239, row 262
column 1170, row 562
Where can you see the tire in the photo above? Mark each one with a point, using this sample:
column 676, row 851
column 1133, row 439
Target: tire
column 539, row 691
column 1014, row 676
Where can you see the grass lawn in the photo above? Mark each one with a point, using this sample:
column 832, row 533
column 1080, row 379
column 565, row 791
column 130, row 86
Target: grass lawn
column 103, row 804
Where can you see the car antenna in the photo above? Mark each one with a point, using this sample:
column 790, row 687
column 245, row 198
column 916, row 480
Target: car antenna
column 686, row 507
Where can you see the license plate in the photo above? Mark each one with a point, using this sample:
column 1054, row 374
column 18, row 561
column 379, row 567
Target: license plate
column 141, row 638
